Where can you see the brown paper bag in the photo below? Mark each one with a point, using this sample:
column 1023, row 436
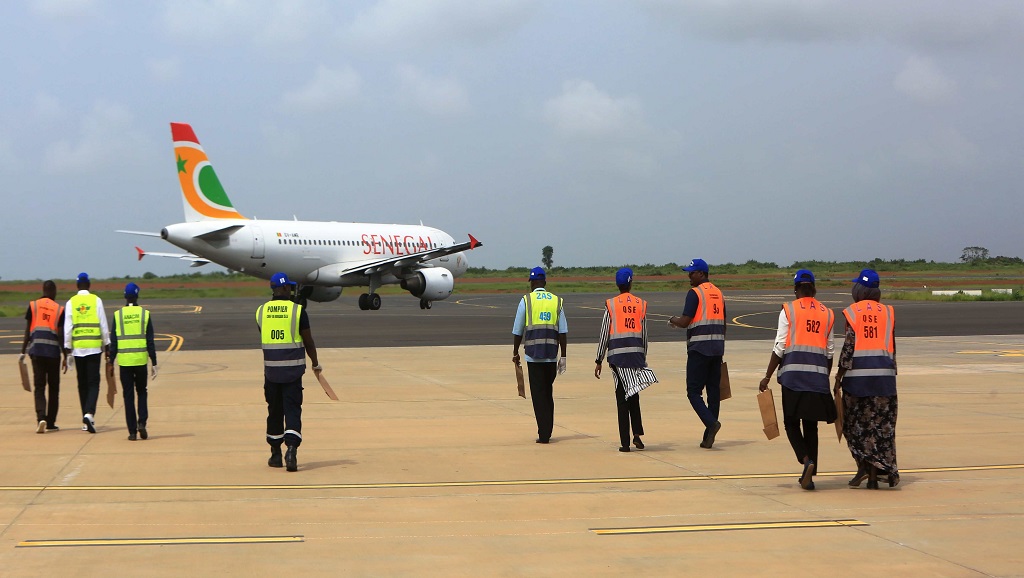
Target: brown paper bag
column 724, row 386
column 327, row 387
column 520, row 382
column 24, row 375
column 839, row 414
column 111, row 385
column 766, row 402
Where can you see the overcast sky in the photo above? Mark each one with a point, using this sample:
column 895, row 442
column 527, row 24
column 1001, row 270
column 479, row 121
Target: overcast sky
column 647, row 131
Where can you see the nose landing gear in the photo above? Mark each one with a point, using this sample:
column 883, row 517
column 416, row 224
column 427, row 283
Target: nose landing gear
column 424, row 304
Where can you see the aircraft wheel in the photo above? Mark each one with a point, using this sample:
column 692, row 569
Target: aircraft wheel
column 426, row 304
column 374, row 301
column 364, row 301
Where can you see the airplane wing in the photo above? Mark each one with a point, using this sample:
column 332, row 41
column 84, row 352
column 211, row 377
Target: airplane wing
column 143, row 233
column 413, row 260
column 196, row 260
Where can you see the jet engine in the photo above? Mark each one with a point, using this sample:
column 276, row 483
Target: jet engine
column 430, row 284
column 323, row 294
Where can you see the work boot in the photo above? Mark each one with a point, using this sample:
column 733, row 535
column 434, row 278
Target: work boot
column 275, row 457
column 289, row 459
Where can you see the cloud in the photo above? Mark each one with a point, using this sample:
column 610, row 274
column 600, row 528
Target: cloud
column 64, row 9
column 46, row 107
column 329, row 89
column 943, row 148
column 582, row 110
column 922, row 81
column 264, row 22
column 438, row 96
column 107, row 139
column 394, row 23
column 164, row 70
column 919, row 23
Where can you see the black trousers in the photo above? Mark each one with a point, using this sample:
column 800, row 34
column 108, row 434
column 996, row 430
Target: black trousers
column 804, row 443
column 704, row 372
column 134, row 380
column 542, row 381
column 629, row 411
column 46, row 377
column 284, row 412
column 88, row 370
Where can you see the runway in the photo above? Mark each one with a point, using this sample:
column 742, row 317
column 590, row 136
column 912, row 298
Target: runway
column 474, row 319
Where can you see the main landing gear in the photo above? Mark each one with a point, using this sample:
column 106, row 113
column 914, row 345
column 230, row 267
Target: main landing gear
column 424, row 304
column 369, row 301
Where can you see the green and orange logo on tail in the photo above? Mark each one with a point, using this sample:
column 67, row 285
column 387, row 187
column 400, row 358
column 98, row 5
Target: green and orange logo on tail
column 204, row 196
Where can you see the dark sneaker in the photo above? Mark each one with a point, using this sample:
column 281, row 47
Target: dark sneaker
column 275, row 458
column 90, row 426
column 131, row 437
column 291, row 463
column 709, row 436
column 143, row 433
column 53, row 427
column 805, row 478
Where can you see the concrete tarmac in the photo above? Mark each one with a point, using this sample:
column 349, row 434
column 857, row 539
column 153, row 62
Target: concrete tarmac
column 427, row 466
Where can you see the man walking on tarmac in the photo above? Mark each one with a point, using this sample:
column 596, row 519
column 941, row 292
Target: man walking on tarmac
column 86, row 337
column 44, row 333
column 131, row 346
column 286, row 340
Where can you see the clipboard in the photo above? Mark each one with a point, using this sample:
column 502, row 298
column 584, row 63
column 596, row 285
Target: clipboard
column 111, row 385
column 327, row 387
column 24, row 375
column 520, row 381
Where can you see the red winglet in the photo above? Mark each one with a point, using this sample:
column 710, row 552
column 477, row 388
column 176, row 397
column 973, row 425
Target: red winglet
column 141, row 253
column 183, row 132
column 473, row 243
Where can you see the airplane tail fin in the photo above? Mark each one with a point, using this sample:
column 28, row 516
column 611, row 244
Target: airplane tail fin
column 203, row 195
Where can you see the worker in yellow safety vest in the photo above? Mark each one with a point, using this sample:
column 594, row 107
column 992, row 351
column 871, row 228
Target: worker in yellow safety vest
column 86, row 337
column 132, row 346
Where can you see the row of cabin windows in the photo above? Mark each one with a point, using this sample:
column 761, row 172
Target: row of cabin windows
column 350, row 243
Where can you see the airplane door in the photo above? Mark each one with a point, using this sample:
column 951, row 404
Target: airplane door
column 257, row 242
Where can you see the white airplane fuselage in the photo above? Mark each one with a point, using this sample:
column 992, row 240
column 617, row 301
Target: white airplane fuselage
column 311, row 252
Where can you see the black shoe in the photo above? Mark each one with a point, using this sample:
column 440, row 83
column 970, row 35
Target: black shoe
column 862, row 474
column 53, row 427
column 638, row 443
column 291, row 464
column 143, row 433
column 805, row 478
column 90, row 426
column 543, row 441
column 894, row 480
column 131, row 437
column 624, row 449
column 709, row 435
column 275, row 457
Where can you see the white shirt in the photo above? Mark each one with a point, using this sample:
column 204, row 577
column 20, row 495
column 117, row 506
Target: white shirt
column 69, row 322
column 519, row 325
column 780, row 338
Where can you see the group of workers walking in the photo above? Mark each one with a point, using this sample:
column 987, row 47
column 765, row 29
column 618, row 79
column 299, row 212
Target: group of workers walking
column 802, row 359
column 78, row 331
column 865, row 382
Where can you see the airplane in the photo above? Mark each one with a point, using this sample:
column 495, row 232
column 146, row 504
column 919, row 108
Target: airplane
column 321, row 257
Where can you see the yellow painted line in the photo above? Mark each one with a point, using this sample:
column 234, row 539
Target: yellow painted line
column 176, row 340
column 484, row 483
column 736, row 320
column 722, row 527
column 158, row 541
column 997, row 352
column 176, row 308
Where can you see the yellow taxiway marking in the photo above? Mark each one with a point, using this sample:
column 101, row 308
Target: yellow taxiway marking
column 176, row 308
column 997, row 352
column 480, row 483
column 736, row 320
column 159, row 541
column 176, row 340
column 739, row 526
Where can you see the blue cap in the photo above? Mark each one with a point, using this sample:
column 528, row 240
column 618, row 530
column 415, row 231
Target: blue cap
column 536, row 273
column 131, row 290
column 867, row 278
column 803, row 276
column 280, row 280
column 83, row 277
column 624, row 276
column 697, row 265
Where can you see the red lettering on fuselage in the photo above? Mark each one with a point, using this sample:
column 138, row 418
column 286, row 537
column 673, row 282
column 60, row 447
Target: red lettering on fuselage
column 374, row 244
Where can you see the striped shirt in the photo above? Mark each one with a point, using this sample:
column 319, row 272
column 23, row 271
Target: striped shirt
column 633, row 379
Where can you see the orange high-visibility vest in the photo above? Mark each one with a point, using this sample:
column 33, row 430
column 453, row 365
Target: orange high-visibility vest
column 874, row 350
column 805, row 358
column 626, row 331
column 43, row 327
column 706, row 332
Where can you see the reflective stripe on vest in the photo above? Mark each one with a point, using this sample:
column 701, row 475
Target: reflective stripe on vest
column 85, row 322
column 708, row 324
column 43, row 328
column 804, row 364
column 626, row 334
column 130, row 324
column 284, row 355
column 874, row 365
column 540, row 340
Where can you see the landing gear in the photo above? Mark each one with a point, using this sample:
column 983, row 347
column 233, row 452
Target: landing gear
column 424, row 304
column 369, row 301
